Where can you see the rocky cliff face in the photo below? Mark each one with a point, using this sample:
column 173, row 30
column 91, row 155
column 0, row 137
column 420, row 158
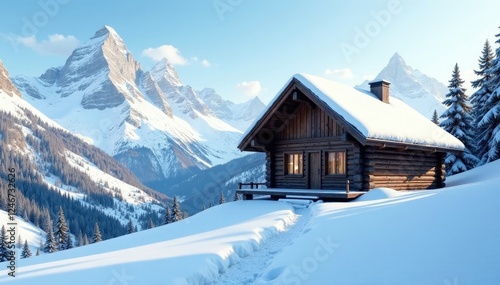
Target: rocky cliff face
column 5, row 83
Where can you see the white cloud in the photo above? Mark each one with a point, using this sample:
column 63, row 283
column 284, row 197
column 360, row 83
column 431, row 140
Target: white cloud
column 249, row 88
column 165, row 51
column 205, row 63
column 55, row 45
column 344, row 73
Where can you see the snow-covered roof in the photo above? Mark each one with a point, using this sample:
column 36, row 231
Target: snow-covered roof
column 372, row 119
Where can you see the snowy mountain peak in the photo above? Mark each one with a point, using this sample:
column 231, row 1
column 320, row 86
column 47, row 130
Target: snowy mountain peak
column 397, row 61
column 106, row 30
column 5, row 83
column 425, row 94
column 165, row 71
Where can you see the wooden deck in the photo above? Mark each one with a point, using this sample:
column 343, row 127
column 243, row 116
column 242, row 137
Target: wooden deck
column 316, row 194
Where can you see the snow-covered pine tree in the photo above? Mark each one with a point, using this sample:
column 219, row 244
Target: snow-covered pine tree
column 47, row 222
column 167, row 218
column 478, row 100
column 50, row 242
column 69, row 241
column 26, row 252
column 130, row 226
column 435, row 118
column 222, row 199
column 97, row 234
column 491, row 117
column 19, row 242
column 79, row 241
column 3, row 202
column 151, row 224
column 37, row 252
column 61, row 231
column 177, row 212
column 458, row 122
column 86, row 240
column 3, row 244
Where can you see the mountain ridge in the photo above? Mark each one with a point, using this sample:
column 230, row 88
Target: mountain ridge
column 149, row 120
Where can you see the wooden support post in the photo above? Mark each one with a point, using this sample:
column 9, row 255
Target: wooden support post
column 247, row 196
column 347, row 186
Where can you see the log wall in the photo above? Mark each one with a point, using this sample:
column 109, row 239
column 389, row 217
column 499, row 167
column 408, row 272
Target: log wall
column 278, row 179
column 402, row 170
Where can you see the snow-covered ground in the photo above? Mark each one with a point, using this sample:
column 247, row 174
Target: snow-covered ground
column 448, row 236
column 33, row 234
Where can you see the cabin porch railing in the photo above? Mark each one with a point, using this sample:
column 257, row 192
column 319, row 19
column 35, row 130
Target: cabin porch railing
column 251, row 184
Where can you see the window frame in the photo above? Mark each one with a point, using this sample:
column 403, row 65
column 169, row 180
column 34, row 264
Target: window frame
column 286, row 160
column 327, row 163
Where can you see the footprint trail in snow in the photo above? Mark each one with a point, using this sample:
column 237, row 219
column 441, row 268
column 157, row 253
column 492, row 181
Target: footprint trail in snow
column 249, row 267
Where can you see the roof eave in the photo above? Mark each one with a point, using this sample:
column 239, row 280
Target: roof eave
column 406, row 145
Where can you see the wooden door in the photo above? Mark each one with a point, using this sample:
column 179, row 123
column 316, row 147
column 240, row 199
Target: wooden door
column 314, row 170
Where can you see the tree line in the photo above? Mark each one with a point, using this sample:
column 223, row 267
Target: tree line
column 474, row 120
column 36, row 149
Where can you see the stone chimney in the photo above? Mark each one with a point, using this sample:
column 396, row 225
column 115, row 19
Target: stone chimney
column 380, row 88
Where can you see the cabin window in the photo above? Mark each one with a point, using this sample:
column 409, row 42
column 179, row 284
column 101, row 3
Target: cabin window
column 335, row 162
column 294, row 162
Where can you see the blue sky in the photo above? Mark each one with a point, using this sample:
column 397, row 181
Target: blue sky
column 243, row 48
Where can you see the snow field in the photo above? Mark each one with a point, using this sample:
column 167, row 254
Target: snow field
column 193, row 251
column 445, row 236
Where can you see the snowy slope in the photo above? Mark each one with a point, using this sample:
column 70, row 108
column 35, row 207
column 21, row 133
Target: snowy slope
column 34, row 235
column 423, row 93
column 447, row 236
column 127, row 196
column 192, row 251
column 150, row 121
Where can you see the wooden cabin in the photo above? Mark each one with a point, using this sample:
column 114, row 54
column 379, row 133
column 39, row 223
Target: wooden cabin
column 321, row 135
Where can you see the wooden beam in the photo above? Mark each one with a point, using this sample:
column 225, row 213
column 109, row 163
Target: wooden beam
column 300, row 97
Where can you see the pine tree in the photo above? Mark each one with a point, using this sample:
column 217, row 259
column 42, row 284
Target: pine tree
column 86, row 240
column 167, row 219
column 97, row 234
column 50, row 243
column 47, row 222
column 222, row 199
column 177, row 213
column 80, row 241
column 458, row 122
column 236, row 196
column 478, row 100
column 69, row 241
column 19, row 242
column 435, row 118
column 61, row 231
column 490, row 120
column 26, row 250
column 151, row 224
column 4, row 248
column 130, row 227
column 37, row 252
column 3, row 202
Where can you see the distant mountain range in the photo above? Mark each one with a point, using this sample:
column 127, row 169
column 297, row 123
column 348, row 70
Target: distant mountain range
column 151, row 121
column 423, row 93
